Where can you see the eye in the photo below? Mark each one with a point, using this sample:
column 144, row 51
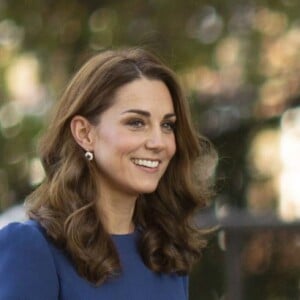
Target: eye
column 136, row 123
column 168, row 126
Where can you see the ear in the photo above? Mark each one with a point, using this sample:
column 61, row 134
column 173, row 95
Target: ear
column 83, row 132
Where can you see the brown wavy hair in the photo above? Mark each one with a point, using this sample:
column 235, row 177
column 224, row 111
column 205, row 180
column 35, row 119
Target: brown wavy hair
column 65, row 203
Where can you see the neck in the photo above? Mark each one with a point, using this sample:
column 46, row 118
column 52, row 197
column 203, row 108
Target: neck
column 116, row 213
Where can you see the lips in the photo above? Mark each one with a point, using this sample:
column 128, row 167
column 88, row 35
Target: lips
column 146, row 163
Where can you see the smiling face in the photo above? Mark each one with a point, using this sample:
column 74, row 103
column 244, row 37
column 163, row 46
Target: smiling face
column 134, row 140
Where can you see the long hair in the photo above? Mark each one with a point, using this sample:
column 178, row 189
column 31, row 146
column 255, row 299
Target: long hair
column 65, row 203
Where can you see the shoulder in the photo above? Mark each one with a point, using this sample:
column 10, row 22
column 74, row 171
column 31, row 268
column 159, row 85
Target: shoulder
column 26, row 263
column 23, row 238
column 17, row 233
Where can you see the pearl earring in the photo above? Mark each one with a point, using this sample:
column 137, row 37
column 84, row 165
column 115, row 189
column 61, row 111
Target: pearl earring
column 89, row 155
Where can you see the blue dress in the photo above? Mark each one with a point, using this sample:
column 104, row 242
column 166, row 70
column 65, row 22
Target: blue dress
column 32, row 268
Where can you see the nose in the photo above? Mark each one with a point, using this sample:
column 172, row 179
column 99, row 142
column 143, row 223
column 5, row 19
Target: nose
column 155, row 139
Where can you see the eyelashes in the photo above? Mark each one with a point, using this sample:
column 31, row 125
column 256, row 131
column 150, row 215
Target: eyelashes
column 135, row 123
column 168, row 126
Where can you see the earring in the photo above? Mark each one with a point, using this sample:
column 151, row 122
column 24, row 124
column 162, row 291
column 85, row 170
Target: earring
column 89, row 155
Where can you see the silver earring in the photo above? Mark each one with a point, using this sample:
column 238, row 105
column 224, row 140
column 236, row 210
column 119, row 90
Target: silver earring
column 89, row 155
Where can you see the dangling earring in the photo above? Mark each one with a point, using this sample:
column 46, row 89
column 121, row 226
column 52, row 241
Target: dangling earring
column 89, row 155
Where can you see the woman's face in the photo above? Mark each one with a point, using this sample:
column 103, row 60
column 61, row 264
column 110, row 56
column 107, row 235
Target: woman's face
column 134, row 140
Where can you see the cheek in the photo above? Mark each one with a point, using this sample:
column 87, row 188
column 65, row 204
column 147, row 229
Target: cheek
column 121, row 143
column 129, row 141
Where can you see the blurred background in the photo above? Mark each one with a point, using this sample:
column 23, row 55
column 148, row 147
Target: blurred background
column 239, row 62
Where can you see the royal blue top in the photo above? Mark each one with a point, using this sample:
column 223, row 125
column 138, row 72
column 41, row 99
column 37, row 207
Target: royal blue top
column 33, row 268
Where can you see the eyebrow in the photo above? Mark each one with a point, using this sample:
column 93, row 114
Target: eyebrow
column 146, row 113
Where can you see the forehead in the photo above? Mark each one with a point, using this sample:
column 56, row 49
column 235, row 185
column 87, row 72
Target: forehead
column 143, row 93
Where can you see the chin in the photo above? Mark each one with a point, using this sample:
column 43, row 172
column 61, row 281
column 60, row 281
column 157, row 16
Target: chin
column 148, row 189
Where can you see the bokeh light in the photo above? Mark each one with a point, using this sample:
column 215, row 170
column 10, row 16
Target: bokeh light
column 23, row 84
column 289, row 205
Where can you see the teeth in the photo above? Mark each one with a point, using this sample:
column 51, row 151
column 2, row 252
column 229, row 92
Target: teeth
column 146, row 163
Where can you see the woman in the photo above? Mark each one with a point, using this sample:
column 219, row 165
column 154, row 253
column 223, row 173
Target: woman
column 113, row 218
